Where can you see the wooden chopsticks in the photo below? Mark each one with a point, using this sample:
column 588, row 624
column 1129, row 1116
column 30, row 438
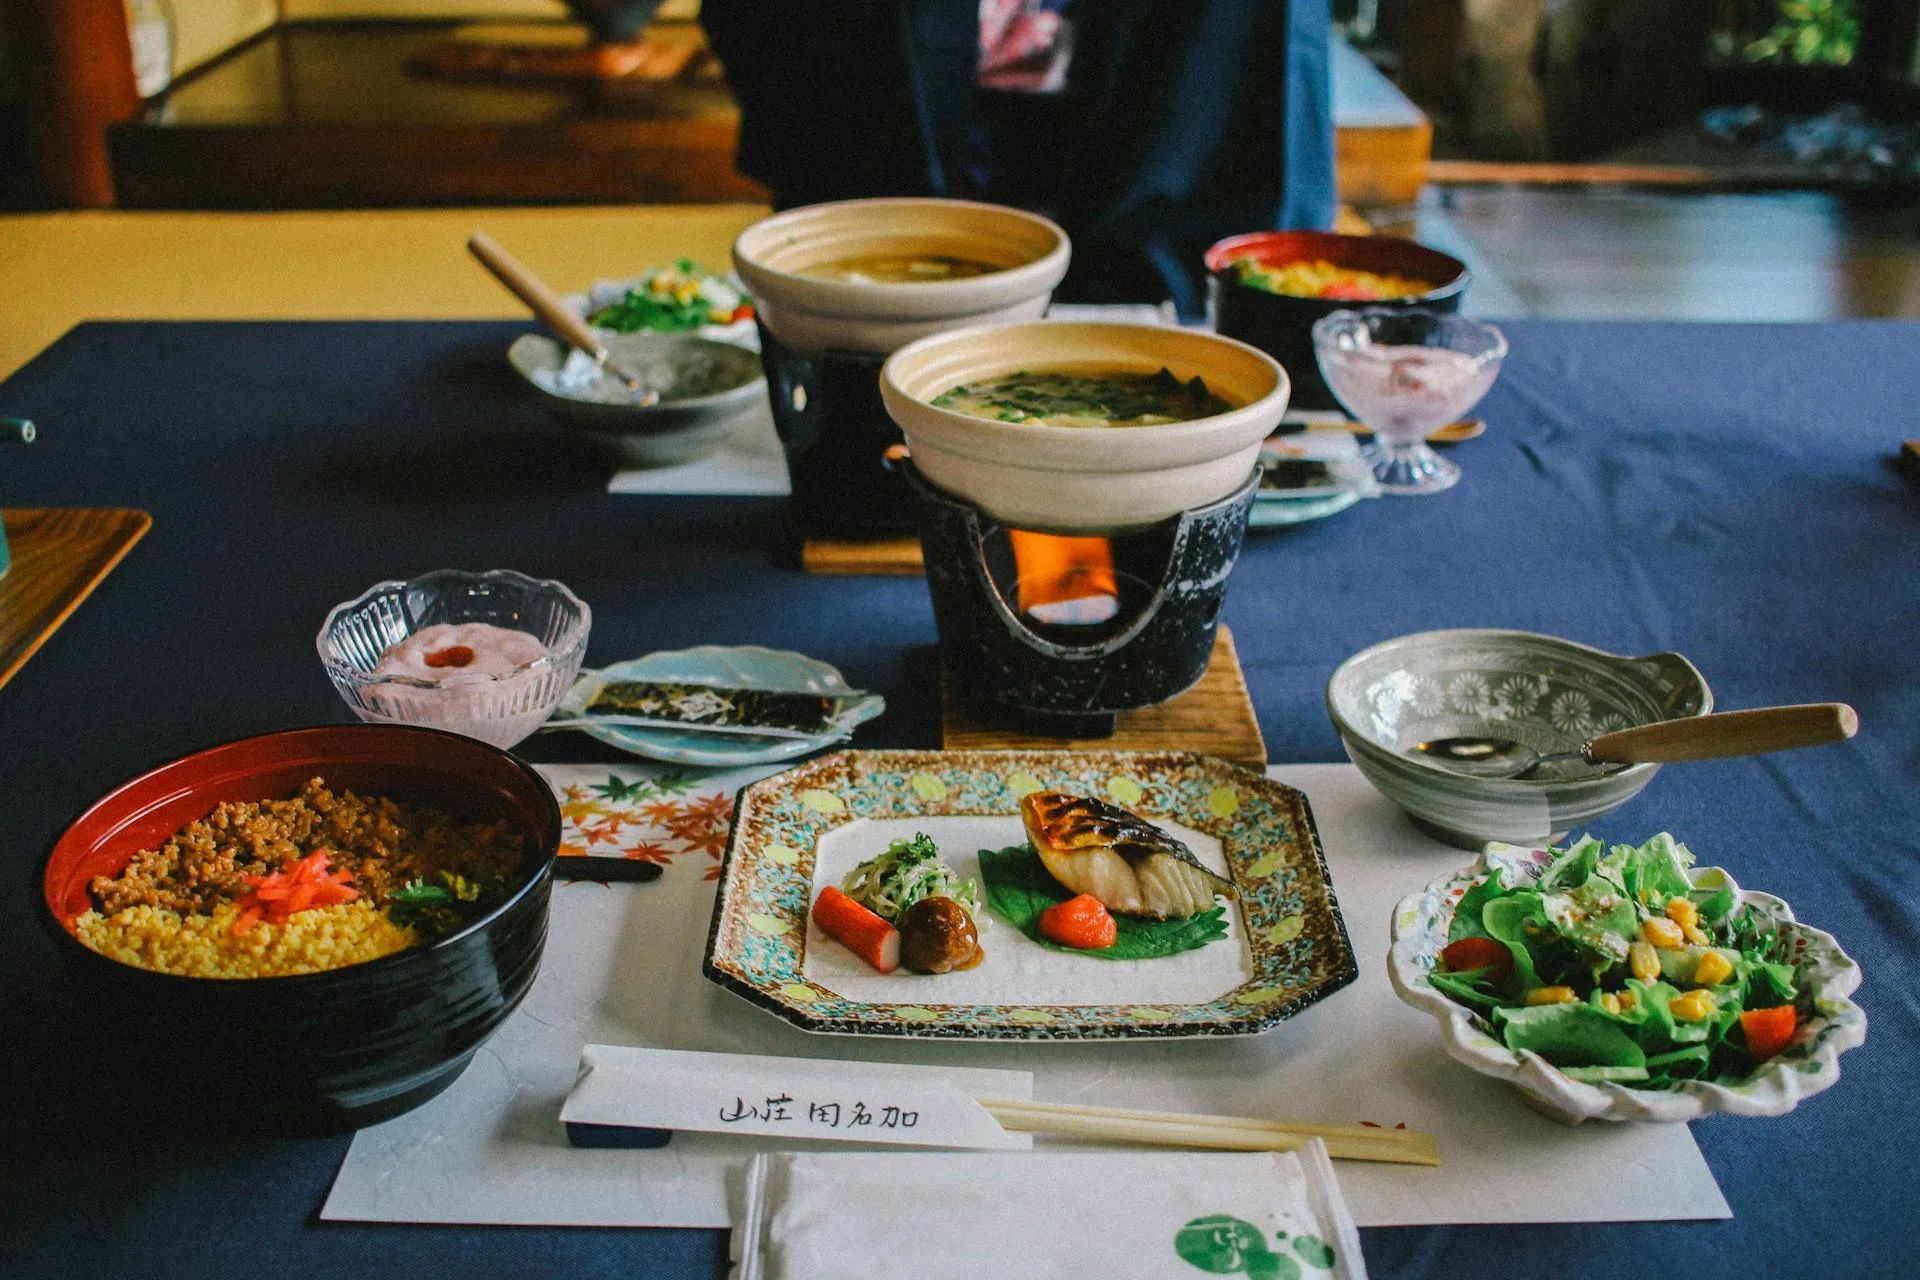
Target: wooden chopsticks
column 1224, row 1133
column 1452, row 433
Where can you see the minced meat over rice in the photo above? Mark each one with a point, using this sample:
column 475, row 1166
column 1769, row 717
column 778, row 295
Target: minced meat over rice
column 182, row 908
column 382, row 843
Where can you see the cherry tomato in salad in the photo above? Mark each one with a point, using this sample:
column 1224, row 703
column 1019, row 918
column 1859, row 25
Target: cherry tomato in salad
column 1478, row 953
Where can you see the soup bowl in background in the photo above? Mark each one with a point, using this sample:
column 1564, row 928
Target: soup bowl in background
column 1282, row 325
column 812, row 316
column 822, row 341
column 1084, row 479
column 317, row 1052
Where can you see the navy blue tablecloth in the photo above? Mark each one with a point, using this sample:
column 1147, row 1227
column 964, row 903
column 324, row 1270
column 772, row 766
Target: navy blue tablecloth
column 1723, row 491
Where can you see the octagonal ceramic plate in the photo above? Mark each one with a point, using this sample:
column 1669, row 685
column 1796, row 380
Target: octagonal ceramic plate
column 1285, row 948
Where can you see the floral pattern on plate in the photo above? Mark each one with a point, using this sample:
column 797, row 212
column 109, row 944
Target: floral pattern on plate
column 1299, row 948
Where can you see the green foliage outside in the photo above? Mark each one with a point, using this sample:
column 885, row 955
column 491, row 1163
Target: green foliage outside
column 1809, row 33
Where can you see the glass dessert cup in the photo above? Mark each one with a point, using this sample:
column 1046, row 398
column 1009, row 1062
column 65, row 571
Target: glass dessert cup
column 501, row 708
column 1405, row 373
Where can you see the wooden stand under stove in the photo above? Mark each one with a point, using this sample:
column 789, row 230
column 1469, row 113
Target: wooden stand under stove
column 1215, row 718
column 896, row 556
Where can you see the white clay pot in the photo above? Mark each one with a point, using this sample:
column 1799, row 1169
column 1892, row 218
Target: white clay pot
column 1084, row 479
column 813, row 316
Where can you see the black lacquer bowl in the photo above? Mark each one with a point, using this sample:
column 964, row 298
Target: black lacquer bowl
column 1282, row 325
column 321, row 1052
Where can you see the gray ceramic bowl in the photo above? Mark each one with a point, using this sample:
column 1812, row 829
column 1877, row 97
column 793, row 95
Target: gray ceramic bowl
column 706, row 388
column 1552, row 695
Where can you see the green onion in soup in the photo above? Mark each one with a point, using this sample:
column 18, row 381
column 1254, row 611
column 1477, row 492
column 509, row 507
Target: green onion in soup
column 1055, row 399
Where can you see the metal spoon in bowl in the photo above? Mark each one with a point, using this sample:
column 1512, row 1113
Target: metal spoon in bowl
column 546, row 304
column 1727, row 733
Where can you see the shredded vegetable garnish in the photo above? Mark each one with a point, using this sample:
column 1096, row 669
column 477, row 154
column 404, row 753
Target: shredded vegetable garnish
column 907, row 872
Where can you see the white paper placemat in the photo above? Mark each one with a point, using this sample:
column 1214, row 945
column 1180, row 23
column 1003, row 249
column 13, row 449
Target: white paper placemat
column 750, row 464
column 622, row 966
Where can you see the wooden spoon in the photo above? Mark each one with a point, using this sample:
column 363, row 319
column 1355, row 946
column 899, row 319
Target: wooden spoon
column 1714, row 737
column 546, row 304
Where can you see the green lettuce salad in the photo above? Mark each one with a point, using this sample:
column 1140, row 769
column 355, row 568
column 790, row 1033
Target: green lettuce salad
column 1614, row 966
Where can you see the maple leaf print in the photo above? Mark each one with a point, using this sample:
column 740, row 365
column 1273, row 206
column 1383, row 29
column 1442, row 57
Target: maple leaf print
column 602, row 833
column 647, row 851
column 712, row 843
column 623, row 792
column 717, row 809
column 663, row 813
column 579, row 811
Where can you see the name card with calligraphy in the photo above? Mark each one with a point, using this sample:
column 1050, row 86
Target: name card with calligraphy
column 668, row 1090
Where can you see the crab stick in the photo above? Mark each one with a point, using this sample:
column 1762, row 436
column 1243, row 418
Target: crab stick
column 857, row 929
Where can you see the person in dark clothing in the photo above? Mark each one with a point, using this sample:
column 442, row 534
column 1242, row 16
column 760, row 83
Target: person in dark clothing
column 1181, row 122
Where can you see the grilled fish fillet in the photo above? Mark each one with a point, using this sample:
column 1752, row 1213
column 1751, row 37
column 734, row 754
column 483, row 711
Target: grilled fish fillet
column 1132, row 866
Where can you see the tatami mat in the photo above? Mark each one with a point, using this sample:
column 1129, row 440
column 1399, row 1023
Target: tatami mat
column 63, row 268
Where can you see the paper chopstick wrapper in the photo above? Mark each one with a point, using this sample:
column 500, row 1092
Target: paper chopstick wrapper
column 987, row 1216
column 793, row 1098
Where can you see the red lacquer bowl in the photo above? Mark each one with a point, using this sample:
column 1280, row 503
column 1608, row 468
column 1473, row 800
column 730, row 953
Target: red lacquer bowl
column 1282, row 325
column 320, row 1052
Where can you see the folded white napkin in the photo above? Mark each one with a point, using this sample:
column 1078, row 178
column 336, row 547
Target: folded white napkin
column 991, row 1216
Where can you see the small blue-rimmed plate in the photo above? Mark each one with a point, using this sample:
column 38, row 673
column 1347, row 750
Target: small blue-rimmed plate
column 737, row 666
column 1273, row 513
column 1352, row 479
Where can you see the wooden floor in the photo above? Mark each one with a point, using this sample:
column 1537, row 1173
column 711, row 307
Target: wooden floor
column 62, row 268
column 1614, row 254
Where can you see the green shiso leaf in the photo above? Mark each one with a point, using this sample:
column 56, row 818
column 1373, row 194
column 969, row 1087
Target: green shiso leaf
column 1019, row 888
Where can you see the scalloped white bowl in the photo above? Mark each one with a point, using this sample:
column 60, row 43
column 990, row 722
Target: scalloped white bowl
column 1807, row 1066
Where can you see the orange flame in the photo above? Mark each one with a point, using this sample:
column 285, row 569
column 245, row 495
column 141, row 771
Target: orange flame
column 1064, row 580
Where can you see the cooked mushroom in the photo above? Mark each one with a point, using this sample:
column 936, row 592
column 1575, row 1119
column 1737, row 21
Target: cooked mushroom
column 937, row 936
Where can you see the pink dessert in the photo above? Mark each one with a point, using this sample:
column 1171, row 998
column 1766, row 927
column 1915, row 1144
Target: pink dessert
column 1405, row 392
column 480, row 685
column 460, row 649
